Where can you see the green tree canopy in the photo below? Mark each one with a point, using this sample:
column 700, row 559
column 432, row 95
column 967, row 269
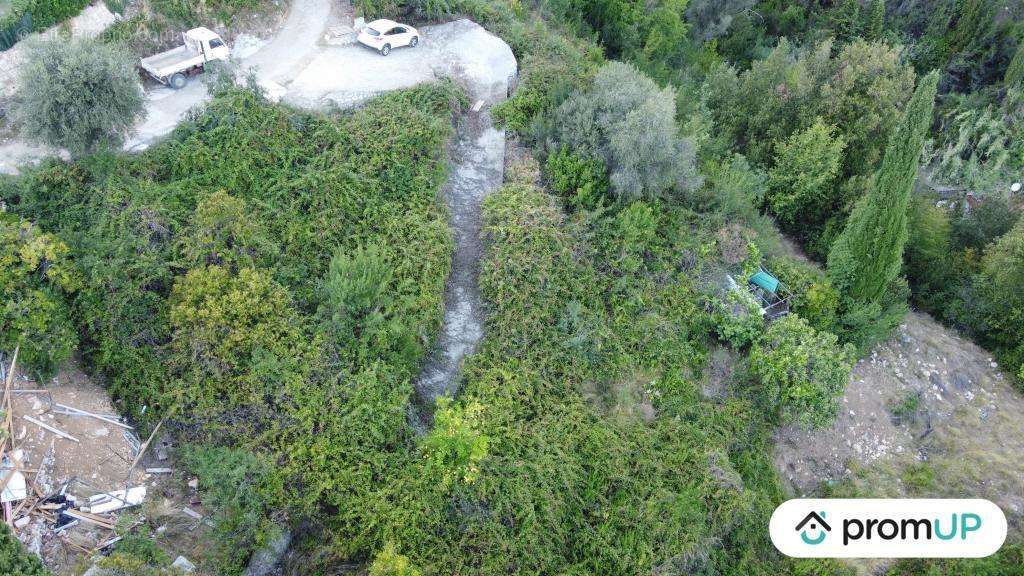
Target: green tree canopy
column 78, row 94
column 629, row 122
column 800, row 185
column 802, row 371
column 876, row 20
column 868, row 255
column 1000, row 290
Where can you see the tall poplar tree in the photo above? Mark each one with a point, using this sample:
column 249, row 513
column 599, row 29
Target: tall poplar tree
column 1014, row 75
column 876, row 20
column 866, row 258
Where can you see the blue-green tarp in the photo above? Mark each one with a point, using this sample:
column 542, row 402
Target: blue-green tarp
column 766, row 281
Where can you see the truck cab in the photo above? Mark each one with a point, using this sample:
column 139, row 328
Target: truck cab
column 206, row 42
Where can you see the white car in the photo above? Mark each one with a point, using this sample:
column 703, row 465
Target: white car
column 383, row 35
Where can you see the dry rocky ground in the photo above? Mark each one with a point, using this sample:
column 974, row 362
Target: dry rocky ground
column 927, row 414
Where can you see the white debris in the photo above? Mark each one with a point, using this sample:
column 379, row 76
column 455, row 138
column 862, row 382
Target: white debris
column 116, row 500
column 182, row 563
column 16, row 488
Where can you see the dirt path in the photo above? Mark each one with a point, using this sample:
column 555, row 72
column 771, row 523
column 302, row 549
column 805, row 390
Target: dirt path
column 478, row 164
column 483, row 64
column 928, row 414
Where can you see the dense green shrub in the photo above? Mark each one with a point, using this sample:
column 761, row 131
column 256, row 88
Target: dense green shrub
column 654, row 35
column 455, row 446
column 1014, row 75
column 14, row 559
column 802, row 372
column 627, row 121
column 800, row 185
column 928, row 261
column 976, row 227
column 354, row 284
column 137, row 555
column 37, row 276
column 78, row 94
column 242, row 490
column 223, row 232
column 582, row 182
column 237, row 347
column 737, row 317
column 40, row 14
column 1008, row 561
column 875, row 24
column 813, row 297
column 388, row 562
column 1001, row 300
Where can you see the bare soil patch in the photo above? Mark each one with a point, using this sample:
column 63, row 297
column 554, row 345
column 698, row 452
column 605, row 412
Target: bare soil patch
column 927, row 414
column 99, row 462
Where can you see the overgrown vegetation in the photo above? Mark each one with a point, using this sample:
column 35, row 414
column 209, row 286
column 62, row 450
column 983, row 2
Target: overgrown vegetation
column 27, row 16
column 37, row 277
column 271, row 280
column 14, row 559
column 301, row 300
column 152, row 25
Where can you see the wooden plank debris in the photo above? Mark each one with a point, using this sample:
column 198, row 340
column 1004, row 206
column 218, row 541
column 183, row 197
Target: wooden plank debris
column 72, row 411
column 116, row 500
column 90, row 518
column 46, row 426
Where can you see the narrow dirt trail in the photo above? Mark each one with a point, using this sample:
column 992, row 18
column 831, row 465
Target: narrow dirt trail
column 477, row 169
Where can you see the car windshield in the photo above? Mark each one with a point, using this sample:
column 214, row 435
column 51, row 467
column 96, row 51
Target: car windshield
column 372, row 32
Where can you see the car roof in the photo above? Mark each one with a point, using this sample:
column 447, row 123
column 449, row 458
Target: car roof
column 383, row 25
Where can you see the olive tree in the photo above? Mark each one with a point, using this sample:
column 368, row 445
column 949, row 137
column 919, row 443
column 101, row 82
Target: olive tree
column 629, row 122
column 78, row 94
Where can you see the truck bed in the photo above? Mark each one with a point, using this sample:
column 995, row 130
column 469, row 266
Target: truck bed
column 171, row 61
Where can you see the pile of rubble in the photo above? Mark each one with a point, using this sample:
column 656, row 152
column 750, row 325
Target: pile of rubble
column 31, row 505
column 343, row 35
column 70, row 474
